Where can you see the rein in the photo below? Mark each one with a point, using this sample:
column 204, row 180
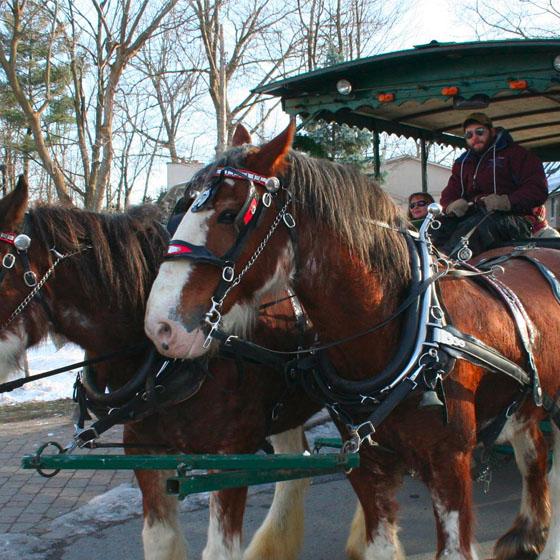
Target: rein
column 16, row 383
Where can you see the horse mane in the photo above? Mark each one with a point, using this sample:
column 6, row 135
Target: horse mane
column 126, row 249
column 349, row 202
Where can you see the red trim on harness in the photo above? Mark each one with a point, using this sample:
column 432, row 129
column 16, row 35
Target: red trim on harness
column 250, row 211
column 261, row 179
column 8, row 237
column 173, row 250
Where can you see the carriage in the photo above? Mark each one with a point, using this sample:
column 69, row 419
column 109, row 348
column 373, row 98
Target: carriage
column 521, row 85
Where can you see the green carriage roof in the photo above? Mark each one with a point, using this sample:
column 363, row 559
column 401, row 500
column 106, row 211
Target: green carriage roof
column 482, row 72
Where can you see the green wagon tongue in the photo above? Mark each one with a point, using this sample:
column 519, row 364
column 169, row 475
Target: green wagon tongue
column 238, row 470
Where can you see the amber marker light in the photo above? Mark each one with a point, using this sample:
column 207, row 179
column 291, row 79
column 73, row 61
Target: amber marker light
column 518, row 84
column 385, row 97
column 450, row 90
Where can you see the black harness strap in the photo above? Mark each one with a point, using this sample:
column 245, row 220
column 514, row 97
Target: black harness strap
column 489, row 434
column 523, row 325
column 16, row 383
column 172, row 384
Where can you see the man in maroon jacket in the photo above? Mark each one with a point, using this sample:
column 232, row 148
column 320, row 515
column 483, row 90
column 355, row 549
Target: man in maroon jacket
column 494, row 186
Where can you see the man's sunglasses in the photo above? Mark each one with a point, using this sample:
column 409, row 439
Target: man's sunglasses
column 415, row 204
column 479, row 132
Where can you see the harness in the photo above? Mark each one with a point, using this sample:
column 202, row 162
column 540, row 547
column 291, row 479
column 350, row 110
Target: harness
column 424, row 357
column 20, row 246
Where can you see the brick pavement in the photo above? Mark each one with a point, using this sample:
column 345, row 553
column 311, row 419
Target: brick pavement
column 29, row 501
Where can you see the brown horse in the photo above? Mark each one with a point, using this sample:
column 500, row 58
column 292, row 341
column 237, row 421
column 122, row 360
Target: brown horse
column 351, row 266
column 95, row 297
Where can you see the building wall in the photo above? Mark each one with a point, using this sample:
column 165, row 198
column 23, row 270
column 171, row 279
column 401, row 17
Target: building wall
column 404, row 176
column 181, row 172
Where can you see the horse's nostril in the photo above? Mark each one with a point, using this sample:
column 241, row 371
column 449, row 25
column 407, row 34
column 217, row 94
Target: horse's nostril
column 164, row 333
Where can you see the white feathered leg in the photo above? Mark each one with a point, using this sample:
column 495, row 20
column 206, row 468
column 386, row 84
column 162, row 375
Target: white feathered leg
column 281, row 535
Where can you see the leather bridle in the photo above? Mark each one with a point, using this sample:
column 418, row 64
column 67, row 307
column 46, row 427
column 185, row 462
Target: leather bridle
column 246, row 221
column 21, row 244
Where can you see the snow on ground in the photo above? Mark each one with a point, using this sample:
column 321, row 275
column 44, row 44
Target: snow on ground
column 42, row 358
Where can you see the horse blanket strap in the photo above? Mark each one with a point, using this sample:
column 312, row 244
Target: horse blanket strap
column 520, row 253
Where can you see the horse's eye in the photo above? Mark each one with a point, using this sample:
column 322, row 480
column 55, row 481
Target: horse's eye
column 227, row 217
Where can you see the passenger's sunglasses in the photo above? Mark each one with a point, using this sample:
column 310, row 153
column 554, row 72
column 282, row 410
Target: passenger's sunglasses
column 479, row 132
column 415, row 204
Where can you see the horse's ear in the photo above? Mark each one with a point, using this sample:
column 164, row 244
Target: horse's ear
column 270, row 159
column 241, row 136
column 14, row 205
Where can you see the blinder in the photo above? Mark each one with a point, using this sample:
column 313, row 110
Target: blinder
column 246, row 220
column 21, row 243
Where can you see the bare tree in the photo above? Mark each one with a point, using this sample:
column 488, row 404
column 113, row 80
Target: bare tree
column 168, row 88
column 242, row 40
column 105, row 40
column 339, row 30
column 528, row 19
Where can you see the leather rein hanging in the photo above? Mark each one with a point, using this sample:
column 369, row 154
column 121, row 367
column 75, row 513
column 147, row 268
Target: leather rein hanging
column 423, row 359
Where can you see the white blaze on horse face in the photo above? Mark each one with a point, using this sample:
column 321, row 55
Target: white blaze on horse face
column 183, row 337
column 12, row 348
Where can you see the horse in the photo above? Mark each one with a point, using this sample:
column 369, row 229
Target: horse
column 84, row 277
column 269, row 218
